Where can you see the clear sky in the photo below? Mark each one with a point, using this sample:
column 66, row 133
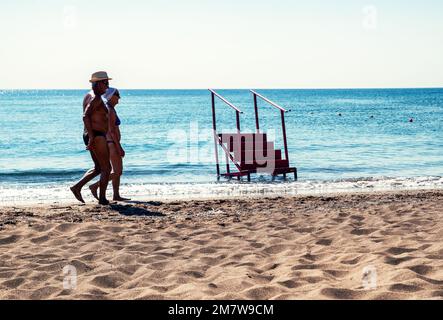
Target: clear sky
column 222, row 44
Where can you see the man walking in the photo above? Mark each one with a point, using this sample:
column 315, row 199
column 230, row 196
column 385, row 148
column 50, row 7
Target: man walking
column 95, row 119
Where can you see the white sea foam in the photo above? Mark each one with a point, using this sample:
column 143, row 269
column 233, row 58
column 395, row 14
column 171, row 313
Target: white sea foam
column 32, row 194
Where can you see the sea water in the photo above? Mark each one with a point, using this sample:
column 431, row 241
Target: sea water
column 340, row 140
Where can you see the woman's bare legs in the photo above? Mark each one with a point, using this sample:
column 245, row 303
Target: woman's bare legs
column 101, row 151
column 117, row 171
column 117, row 168
column 89, row 175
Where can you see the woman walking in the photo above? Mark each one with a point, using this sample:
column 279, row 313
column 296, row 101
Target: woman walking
column 113, row 138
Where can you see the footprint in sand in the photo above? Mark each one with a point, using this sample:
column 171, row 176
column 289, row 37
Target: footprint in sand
column 351, row 261
column 40, row 240
column 437, row 294
column 261, row 278
column 343, row 294
column 336, row 273
column 262, row 293
column 362, row 232
column 324, row 242
column 275, row 249
column 404, row 287
column 290, row 284
column 108, row 281
column 194, row 274
column 9, row 240
column 396, row 261
column 399, row 250
column 66, row 227
column 80, row 266
column 421, row 269
column 13, row 283
column 256, row 245
column 44, row 293
column 306, row 267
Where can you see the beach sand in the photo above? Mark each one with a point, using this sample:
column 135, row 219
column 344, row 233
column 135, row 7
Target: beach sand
column 351, row 246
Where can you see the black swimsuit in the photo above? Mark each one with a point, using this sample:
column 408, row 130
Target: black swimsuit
column 96, row 134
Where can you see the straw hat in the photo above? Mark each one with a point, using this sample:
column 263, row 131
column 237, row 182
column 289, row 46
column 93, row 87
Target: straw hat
column 99, row 76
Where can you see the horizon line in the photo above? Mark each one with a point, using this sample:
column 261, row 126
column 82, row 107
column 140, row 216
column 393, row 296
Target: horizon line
column 229, row 88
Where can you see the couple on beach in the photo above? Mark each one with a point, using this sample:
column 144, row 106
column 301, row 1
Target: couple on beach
column 102, row 138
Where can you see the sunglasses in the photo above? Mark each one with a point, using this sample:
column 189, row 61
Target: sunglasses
column 106, row 82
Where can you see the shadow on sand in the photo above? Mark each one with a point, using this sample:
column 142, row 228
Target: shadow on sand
column 146, row 203
column 129, row 210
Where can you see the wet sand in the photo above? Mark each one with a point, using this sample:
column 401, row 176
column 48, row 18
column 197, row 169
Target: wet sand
column 350, row 246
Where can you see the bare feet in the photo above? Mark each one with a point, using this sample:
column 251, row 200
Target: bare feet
column 103, row 202
column 77, row 194
column 94, row 191
column 120, row 199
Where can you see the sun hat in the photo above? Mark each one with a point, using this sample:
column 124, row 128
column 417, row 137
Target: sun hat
column 109, row 94
column 99, row 76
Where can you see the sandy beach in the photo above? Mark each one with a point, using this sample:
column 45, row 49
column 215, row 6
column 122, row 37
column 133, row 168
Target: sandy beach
column 270, row 248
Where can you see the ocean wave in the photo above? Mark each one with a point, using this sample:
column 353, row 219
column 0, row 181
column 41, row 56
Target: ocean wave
column 131, row 171
column 17, row 194
column 41, row 173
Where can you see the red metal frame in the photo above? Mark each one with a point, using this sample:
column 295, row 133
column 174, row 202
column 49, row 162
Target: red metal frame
column 282, row 113
column 245, row 168
column 217, row 140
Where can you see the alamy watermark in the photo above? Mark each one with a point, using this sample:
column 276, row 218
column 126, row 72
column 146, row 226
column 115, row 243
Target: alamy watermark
column 370, row 17
column 70, row 17
column 69, row 277
column 196, row 146
column 369, row 278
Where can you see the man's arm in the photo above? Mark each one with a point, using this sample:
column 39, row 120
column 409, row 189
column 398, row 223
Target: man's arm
column 88, row 121
column 87, row 100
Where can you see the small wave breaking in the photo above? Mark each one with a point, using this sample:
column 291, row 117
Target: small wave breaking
column 53, row 193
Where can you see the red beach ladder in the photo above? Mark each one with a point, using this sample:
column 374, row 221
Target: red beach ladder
column 250, row 152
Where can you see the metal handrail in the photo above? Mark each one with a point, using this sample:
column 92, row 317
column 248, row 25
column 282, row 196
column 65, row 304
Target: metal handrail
column 225, row 101
column 282, row 114
column 268, row 101
column 217, row 140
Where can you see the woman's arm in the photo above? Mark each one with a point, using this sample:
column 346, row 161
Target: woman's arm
column 113, row 130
